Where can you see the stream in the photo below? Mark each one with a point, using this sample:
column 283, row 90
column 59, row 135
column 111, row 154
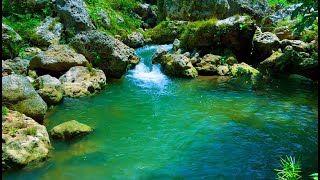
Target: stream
column 151, row 126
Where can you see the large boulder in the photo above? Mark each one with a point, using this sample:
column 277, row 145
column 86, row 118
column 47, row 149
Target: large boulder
column 135, row 40
column 205, row 9
column 178, row 65
column 58, row 58
column 17, row 65
column 208, row 65
column 74, row 15
column 24, row 141
column 263, row 45
column 6, row 69
column 105, row 52
column 234, row 33
column 18, row 94
column 11, row 42
column 82, row 81
column 49, row 88
column 297, row 45
column 290, row 61
column 157, row 56
column 148, row 13
column 49, row 32
column 69, row 130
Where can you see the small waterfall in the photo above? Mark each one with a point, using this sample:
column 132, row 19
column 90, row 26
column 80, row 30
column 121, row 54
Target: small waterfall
column 145, row 73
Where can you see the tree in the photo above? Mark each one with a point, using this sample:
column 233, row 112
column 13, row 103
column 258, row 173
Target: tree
column 307, row 13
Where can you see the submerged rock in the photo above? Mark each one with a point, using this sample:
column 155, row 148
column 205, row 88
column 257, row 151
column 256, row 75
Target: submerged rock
column 113, row 56
column 82, row 81
column 58, row 58
column 70, row 130
column 11, row 42
column 49, row 88
column 208, row 65
column 18, row 94
column 24, row 141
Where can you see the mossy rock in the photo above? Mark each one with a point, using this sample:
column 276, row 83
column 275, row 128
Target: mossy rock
column 70, row 130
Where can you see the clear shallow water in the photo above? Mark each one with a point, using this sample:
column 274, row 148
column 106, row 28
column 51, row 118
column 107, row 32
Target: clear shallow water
column 150, row 126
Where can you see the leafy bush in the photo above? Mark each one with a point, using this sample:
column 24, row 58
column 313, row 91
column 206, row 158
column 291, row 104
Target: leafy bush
column 290, row 169
column 307, row 13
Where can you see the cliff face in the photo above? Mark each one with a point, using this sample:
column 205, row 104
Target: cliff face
column 204, row 9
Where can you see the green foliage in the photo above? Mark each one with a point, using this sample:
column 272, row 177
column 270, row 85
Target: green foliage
column 30, row 131
column 10, row 130
column 290, row 169
column 314, row 176
column 4, row 110
column 307, row 13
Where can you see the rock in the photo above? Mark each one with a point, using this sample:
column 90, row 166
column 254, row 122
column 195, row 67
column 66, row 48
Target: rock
column 157, row 57
column 203, row 9
column 284, row 32
column 243, row 69
column 178, row 65
column 18, row 94
column 11, row 42
column 104, row 16
column 223, row 70
column 58, row 58
column 264, row 44
column 234, row 33
column 176, row 44
column 6, row 69
column 195, row 59
column 49, row 32
column 49, row 88
column 208, row 65
column 135, row 40
column 119, row 18
column 297, row 45
column 113, row 56
column 30, row 52
column 74, row 15
column 70, row 130
column 283, row 13
column 82, row 81
column 300, row 79
column 17, row 65
column 24, row 141
column 147, row 14
column 290, row 62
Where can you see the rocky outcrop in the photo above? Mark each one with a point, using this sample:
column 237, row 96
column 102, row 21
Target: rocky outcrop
column 297, row 45
column 177, row 65
column 74, row 15
column 290, row 62
column 24, row 141
column 11, row 42
column 6, row 69
column 58, row 58
column 105, row 52
column 157, row 56
column 18, row 94
column 284, row 32
column 49, row 32
column 208, row 65
column 82, row 81
column 204, row 9
column 235, row 33
column 263, row 45
column 147, row 13
column 105, row 18
column 49, row 88
column 17, row 65
column 135, row 40
column 70, row 130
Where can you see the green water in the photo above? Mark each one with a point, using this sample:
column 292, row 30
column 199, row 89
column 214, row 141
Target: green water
column 149, row 126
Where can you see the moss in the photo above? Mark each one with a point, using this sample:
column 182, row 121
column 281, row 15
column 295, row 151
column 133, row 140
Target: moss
column 4, row 110
column 32, row 131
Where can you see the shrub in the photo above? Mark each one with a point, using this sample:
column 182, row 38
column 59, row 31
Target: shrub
column 290, row 169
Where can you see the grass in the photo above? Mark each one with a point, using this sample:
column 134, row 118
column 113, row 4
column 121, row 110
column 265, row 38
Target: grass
column 290, row 169
column 4, row 110
column 32, row 131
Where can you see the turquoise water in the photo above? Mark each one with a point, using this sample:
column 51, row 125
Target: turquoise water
column 150, row 126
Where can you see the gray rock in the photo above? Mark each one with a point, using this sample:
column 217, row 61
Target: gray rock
column 24, row 141
column 18, row 94
column 176, row 44
column 58, row 58
column 223, row 70
column 49, row 32
column 110, row 54
column 297, row 45
column 70, row 130
column 104, row 16
column 49, row 88
column 263, row 45
column 17, row 65
column 6, row 69
column 11, row 42
column 135, row 40
column 157, row 57
column 208, row 65
column 74, row 15
column 82, row 81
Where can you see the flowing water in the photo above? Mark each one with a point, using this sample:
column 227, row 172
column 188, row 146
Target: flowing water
column 150, row 126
